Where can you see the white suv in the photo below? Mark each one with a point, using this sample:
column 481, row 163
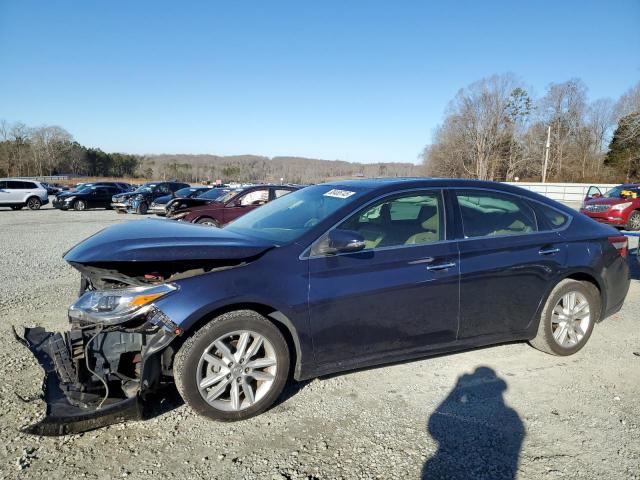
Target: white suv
column 16, row 193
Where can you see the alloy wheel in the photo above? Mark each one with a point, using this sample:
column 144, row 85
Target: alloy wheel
column 34, row 204
column 570, row 319
column 236, row 370
column 634, row 221
column 80, row 205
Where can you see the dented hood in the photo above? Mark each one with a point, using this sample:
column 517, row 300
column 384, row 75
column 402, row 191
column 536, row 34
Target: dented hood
column 164, row 241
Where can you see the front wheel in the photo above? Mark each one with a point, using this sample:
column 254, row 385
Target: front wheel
column 208, row 221
column 568, row 317
column 80, row 205
column 34, row 203
column 142, row 208
column 234, row 367
column 634, row 221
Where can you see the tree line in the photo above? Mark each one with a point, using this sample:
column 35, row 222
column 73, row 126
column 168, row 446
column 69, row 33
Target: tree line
column 51, row 150
column 494, row 129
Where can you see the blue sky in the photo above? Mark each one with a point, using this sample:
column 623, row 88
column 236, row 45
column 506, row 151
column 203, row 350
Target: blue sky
column 355, row 80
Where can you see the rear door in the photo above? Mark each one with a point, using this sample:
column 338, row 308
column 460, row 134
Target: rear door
column 16, row 191
column 508, row 257
column 4, row 193
column 399, row 295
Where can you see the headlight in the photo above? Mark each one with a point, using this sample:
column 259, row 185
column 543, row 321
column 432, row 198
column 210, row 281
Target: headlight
column 68, row 199
column 621, row 206
column 110, row 307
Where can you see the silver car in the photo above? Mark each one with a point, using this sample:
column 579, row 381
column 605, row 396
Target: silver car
column 17, row 193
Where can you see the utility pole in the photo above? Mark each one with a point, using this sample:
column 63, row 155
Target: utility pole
column 546, row 155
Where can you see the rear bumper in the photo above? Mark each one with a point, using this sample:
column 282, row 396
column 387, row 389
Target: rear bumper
column 45, row 201
column 120, row 206
column 158, row 210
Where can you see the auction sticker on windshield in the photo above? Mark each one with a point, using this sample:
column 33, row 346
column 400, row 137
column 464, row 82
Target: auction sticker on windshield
column 339, row 193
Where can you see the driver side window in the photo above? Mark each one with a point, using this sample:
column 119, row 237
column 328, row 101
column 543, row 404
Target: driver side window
column 410, row 219
column 256, row 197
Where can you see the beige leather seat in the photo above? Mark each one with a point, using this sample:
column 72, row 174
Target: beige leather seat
column 430, row 223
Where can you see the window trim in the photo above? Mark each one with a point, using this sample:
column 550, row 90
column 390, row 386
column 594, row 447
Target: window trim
column 522, row 198
column 306, row 253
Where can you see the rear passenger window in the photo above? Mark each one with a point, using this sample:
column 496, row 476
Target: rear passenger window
column 14, row 185
column 492, row 214
column 555, row 219
column 405, row 220
column 281, row 192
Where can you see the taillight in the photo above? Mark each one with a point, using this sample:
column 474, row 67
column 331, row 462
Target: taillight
column 621, row 244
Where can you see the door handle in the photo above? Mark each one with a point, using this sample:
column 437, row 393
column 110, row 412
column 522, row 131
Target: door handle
column 548, row 251
column 440, row 266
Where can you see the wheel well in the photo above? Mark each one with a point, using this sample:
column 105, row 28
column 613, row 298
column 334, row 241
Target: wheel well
column 273, row 315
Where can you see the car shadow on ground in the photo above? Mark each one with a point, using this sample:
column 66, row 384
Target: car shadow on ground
column 478, row 435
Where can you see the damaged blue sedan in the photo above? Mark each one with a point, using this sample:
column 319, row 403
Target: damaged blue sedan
column 327, row 279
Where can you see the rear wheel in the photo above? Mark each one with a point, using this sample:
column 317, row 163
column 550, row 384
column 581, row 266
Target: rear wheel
column 634, row 221
column 568, row 318
column 208, row 221
column 34, row 203
column 79, row 205
column 16, row 207
column 234, row 367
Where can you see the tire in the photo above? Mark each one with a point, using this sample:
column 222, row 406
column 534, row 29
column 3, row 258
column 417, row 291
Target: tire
column 79, row 205
column 16, row 207
column 208, row 221
column 34, row 203
column 190, row 365
column 633, row 223
column 549, row 323
column 142, row 208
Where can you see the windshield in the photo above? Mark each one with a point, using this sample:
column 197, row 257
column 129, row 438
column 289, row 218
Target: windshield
column 214, row 193
column 617, row 192
column 184, row 192
column 291, row 216
column 228, row 196
column 145, row 188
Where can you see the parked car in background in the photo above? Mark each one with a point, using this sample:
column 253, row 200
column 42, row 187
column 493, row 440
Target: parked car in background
column 51, row 189
column 93, row 196
column 139, row 200
column 16, row 193
column 619, row 206
column 232, row 205
column 203, row 199
column 159, row 205
column 330, row 278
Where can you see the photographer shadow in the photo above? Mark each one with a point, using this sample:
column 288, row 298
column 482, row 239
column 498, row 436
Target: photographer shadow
column 478, row 435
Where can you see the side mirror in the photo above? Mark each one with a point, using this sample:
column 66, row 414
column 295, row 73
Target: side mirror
column 596, row 195
column 344, row 241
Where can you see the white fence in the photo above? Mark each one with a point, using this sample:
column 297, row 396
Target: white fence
column 563, row 192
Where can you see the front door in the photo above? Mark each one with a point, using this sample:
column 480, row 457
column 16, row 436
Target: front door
column 399, row 294
column 245, row 202
column 507, row 260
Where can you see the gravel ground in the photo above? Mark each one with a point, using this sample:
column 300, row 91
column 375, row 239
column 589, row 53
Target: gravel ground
column 487, row 413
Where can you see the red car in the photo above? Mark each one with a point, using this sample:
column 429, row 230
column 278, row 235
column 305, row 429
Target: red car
column 619, row 207
column 232, row 205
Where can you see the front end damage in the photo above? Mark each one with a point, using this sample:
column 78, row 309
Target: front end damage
column 97, row 375
column 121, row 345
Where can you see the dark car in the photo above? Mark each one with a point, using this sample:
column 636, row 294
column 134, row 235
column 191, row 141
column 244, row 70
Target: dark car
column 159, row 205
column 330, row 278
column 95, row 196
column 51, row 189
column 180, row 205
column 619, row 206
column 139, row 200
column 233, row 205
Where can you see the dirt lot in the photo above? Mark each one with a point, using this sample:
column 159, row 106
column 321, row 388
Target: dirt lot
column 483, row 412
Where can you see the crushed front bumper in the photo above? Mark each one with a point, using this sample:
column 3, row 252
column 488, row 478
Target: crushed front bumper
column 94, row 377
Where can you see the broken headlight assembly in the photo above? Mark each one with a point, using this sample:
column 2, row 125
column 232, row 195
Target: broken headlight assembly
column 113, row 307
